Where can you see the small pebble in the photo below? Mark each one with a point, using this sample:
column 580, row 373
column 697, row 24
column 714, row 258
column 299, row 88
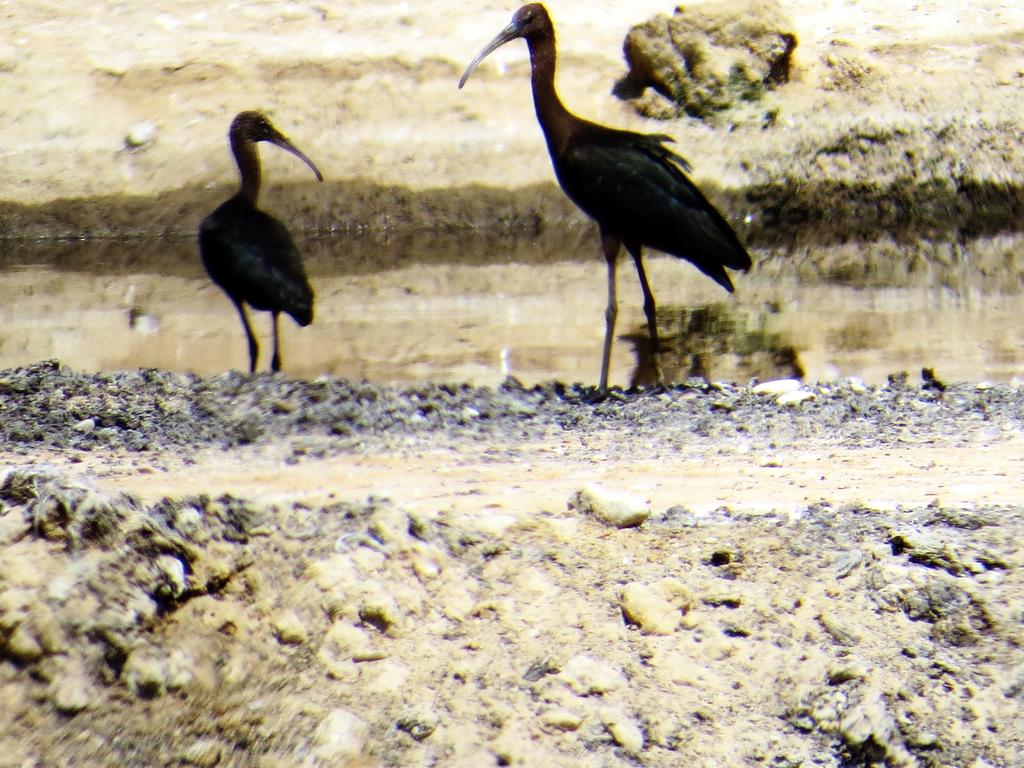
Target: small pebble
column 140, row 134
column 561, row 719
column 795, row 398
column 23, row 646
column 624, row 730
column 85, row 426
column 145, row 674
column 777, row 387
column 72, row 691
column 204, row 753
column 587, row 676
column 289, row 629
column 657, row 608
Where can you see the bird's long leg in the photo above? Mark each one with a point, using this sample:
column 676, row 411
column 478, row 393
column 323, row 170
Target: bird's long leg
column 275, row 361
column 635, row 250
column 254, row 348
column 611, row 245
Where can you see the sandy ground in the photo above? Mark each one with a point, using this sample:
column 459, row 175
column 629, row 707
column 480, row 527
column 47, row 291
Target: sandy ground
column 796, row 603
column 369, row 92
column 469, row 577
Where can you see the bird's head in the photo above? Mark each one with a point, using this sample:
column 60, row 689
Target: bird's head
column 251, row 126
column 531, row 22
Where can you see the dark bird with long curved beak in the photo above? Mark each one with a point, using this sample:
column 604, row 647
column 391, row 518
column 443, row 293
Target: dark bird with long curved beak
column 249, row 253
column 634, row 187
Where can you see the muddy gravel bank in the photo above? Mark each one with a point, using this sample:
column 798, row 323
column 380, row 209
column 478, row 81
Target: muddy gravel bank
column 202, row 631
column 211, row 629
column 47, row 405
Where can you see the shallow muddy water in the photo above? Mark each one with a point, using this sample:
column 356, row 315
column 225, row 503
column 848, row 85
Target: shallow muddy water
column 462, row 308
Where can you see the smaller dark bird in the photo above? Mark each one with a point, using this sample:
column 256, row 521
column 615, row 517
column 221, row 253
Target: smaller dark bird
column 631, row 184
column 249, row 253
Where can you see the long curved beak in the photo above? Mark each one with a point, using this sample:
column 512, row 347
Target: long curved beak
column 511, row 32
column 285, row 143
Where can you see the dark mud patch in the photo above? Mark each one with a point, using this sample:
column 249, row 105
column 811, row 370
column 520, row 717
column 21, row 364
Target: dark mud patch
column 47, row 405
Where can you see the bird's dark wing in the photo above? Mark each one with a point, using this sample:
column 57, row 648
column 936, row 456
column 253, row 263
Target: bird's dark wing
column 636, row 188
column 250, row 255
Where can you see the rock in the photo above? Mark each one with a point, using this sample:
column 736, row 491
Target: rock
column 624, row 730
column 419, row 727
column 381, row 612
column 140, row 134
column 85, row 425
column 844, row 673
column 870, row 732
column 837, row 631
column 455, row 601
column 611, row 508
column 928, row 549
column 368, row 559
column 23, row 646
column 72, row 691
column 145, row 674
column 856, row 385
column 289, row 628
column 179, row 670
column 385, row 677
column 204, row 753
column 561, row 719
column 485, row 523
column 173, row 575
column 777, row 387
column 707, row 58
column 389, row 525
column 343, row 645
column 657, row 608
column 587, row 676
column 795, row 398
column 340, row 735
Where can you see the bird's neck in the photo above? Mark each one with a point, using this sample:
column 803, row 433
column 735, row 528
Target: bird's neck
column 554, row 118
column 248, row 167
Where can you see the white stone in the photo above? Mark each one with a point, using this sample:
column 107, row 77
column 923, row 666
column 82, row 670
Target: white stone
column 23, row 646
column 795, row 398
column 385, row 677
column 627, row 734
column 657, row 608
column 561, row 719
column 72, row 691
column 857, row 385
column 340, row 735
column 612, row 508
column 777, row 387
column 141, row 134
column 174, row 571
column 204, row 753
column 145, row 674
column 389, row 525
column 341, row 646
column 289, row 629
column 587, row 676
